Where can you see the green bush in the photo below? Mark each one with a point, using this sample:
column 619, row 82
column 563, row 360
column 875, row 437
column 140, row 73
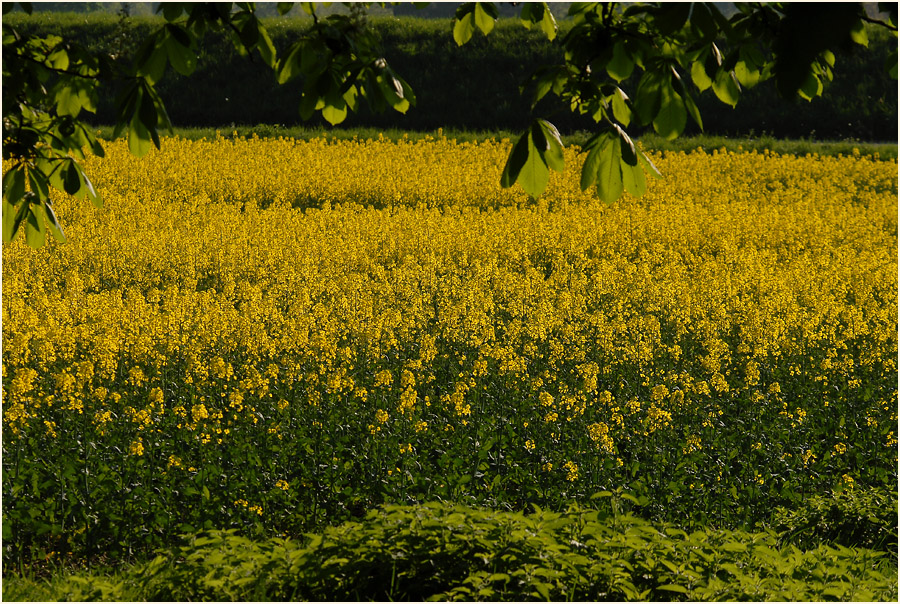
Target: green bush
column 438, row 551
column 852, row 518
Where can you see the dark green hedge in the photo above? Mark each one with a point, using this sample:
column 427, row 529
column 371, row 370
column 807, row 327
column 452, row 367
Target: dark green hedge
column 444, row 552
column 475, row 87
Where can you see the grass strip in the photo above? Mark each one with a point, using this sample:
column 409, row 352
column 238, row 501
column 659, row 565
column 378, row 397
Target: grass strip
column 649, row 141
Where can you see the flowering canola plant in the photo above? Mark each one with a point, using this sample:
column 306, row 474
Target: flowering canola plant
column 272, row 334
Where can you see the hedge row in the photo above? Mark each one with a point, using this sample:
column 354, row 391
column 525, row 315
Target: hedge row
column 475, row 87
column 448, row 552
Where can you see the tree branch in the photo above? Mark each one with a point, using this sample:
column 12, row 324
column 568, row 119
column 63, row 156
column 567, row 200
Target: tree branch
column 868, row 19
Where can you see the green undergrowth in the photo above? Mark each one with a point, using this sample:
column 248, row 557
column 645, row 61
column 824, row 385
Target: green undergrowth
column 439, row 551
column 650, row 142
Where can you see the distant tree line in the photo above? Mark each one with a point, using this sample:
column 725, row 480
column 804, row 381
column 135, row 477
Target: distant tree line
column 475, row 86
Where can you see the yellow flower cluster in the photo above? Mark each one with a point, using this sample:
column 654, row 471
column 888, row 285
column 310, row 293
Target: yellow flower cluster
column 230, row 283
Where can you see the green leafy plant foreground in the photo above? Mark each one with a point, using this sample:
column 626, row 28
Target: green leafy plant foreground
column 440, row 551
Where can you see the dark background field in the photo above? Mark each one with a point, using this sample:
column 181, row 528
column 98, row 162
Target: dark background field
column 475, row 87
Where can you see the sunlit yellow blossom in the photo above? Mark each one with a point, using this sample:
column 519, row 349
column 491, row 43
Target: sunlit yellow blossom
column 571, row 469
column 136, row 448
column 383, row 378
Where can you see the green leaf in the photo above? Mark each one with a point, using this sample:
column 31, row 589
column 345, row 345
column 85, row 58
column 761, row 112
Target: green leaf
column 633, row 179
column 620, row 108
column 811, row 87
column 515, row 162
column 621, row 65
column 648, row 101
column 670, row 17
column 35, row 230
column 532, row 12
column 548, row 24
column 553, row 154
column 692, row 109
column 726, row 87
column 629, row 152
column 149, row 117
column 151, row 58
column 284, row 7
column 591, row 167
column 483, row 20
column 649, row 165
column 858, row 33
column 464, row 27
column 673, row 587
column 335, row 114
column 746, row 74
column 703, row 23
column 53, row 223
column 69, row 98
column 543, row 591
column 265, row 47
column 72, row 179
column 12, row 218
column 38, row 182
column 138, row 138
column 672, row 116
column 535, row 174
column 609, row 172
column 14, row 184
column 289, row 65
column 183, row 59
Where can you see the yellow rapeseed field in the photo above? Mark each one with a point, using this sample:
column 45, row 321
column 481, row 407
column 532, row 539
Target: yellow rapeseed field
column 256, row 331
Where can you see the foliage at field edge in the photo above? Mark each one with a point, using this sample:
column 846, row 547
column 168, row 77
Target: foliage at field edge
column 283, row 337
column 448, row 553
